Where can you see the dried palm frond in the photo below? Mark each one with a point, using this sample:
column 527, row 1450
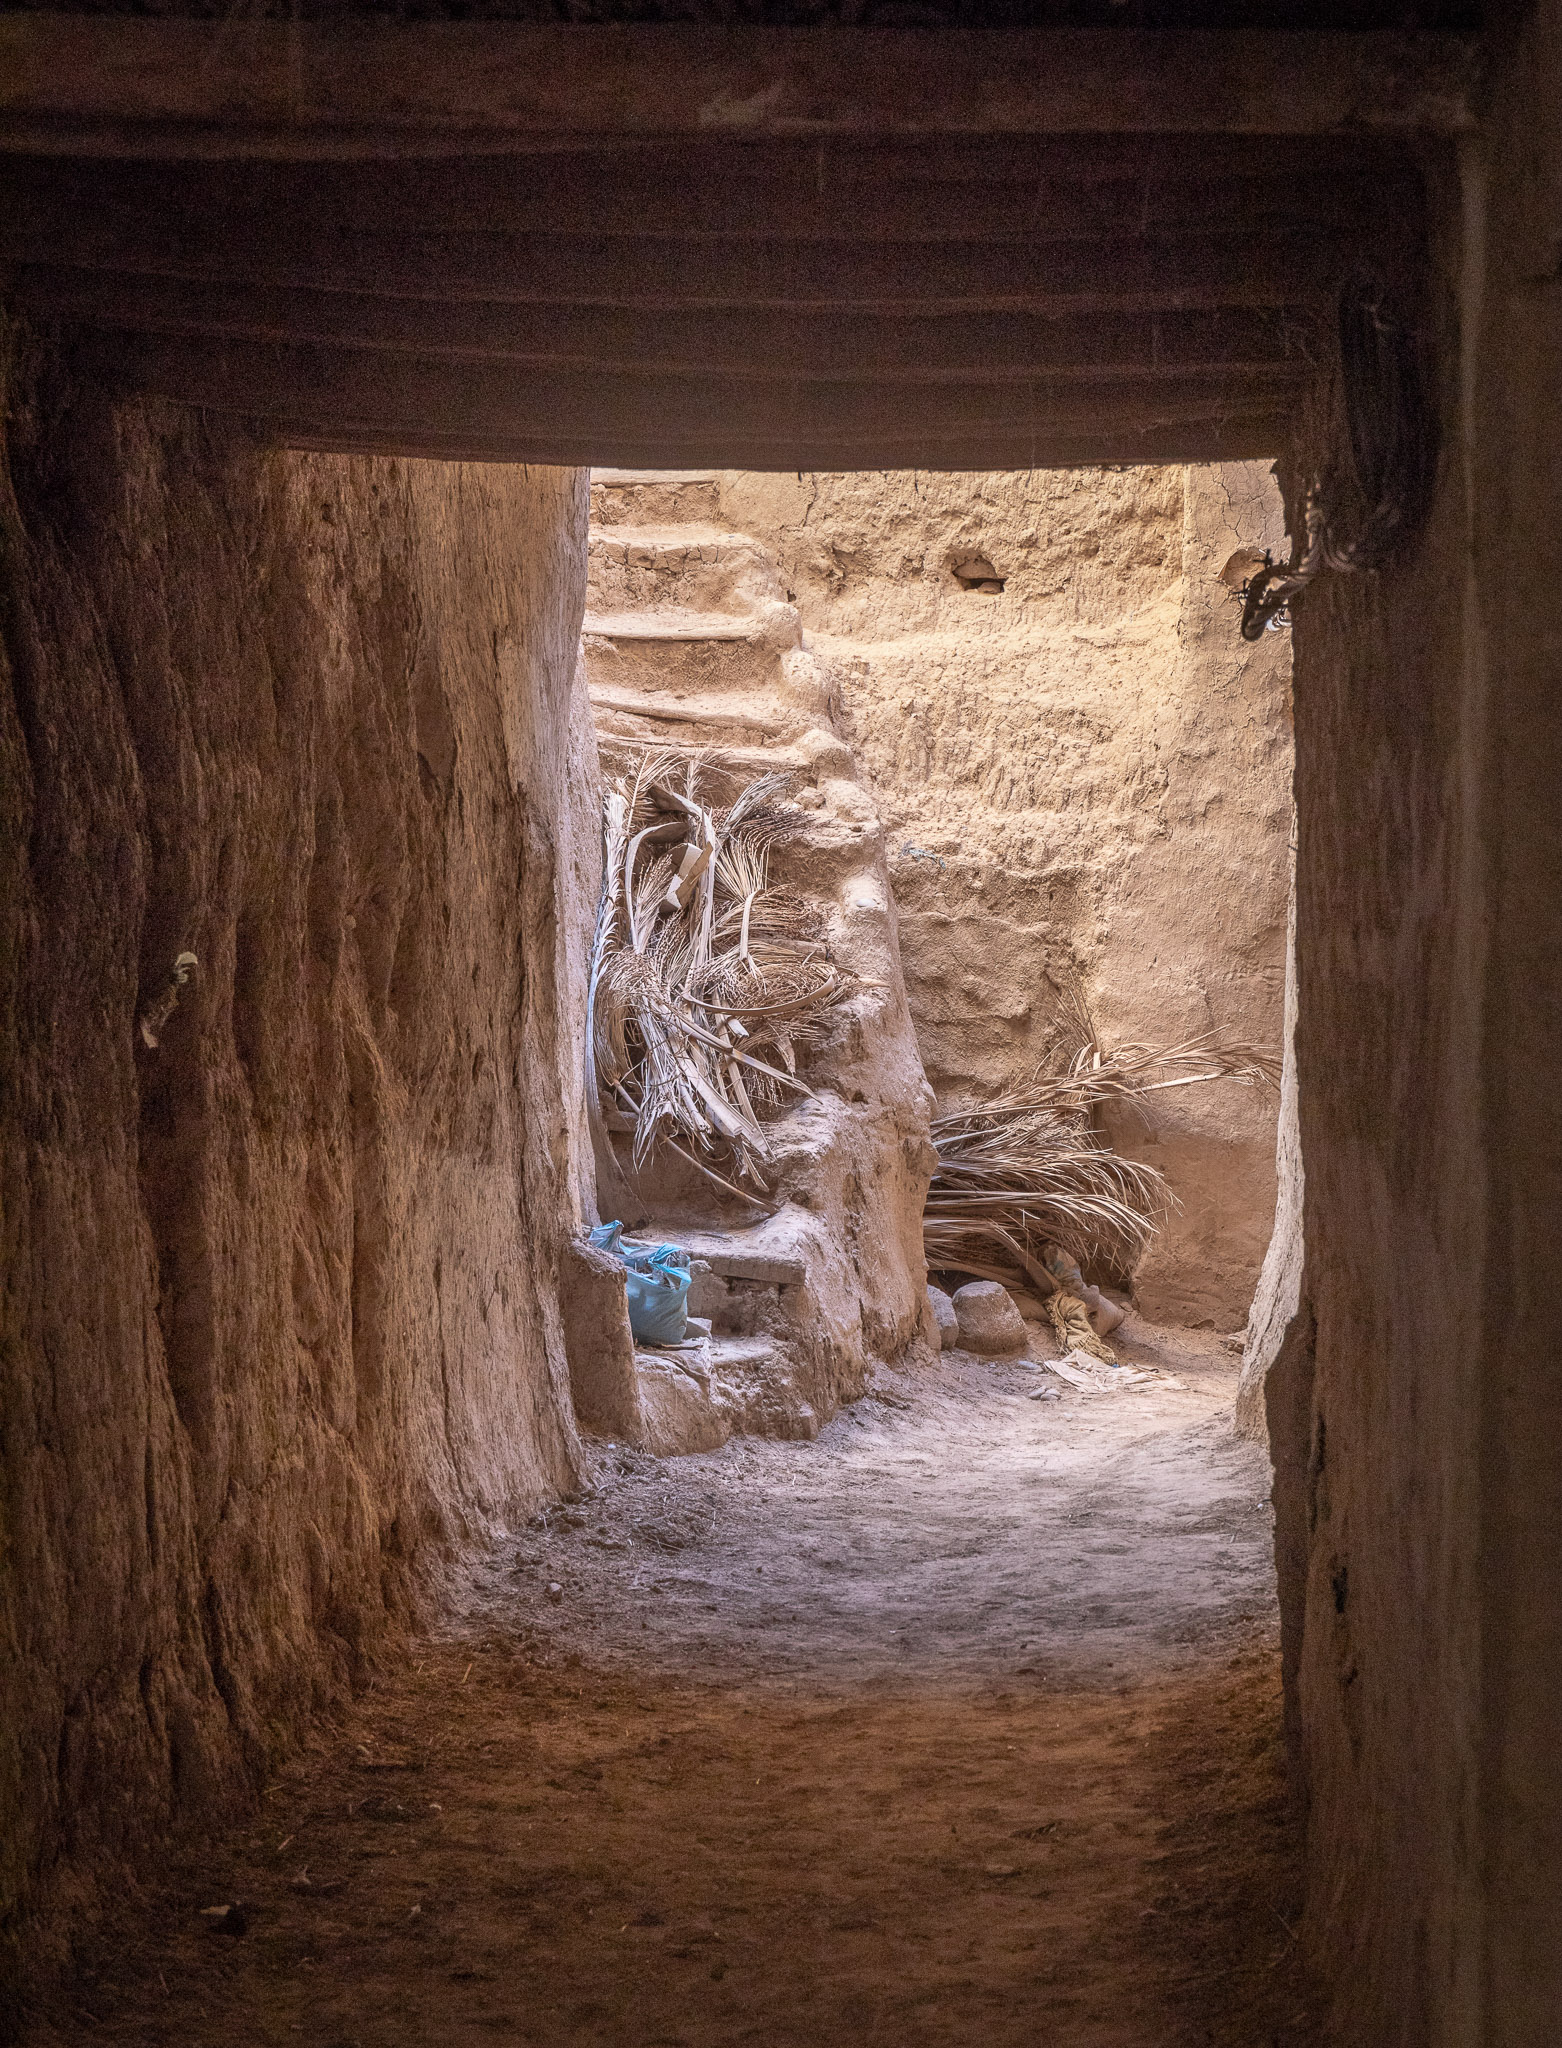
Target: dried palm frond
column 604, row 1034
column 703, row 979
column 1028, row 1169
column 757, row 807
column 777, row 921
column 742, row 864
column 1011, row 1174
column 991, row 1253
column 1134, row 1071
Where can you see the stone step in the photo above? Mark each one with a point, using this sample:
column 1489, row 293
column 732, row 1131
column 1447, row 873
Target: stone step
column 698, row 569
column 684, row 652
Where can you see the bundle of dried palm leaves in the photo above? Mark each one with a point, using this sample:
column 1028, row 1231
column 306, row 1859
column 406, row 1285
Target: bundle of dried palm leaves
column 1025, row 1170
column 705, row 980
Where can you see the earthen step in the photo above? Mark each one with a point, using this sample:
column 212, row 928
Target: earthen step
column 653, row 476
column 743, row 744
column 701, row 1354
column 683, row 575
column 715, row 712
column 694, row 1397
column 608, row 534
column 754, row 1352
column 688, row 653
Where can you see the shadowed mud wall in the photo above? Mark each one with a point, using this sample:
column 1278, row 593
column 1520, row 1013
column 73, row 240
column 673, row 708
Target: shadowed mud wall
column 280, row 1320
column 1416, row 1409
column 1085, row 781
column 1277, row 1299
column 1371, row 1422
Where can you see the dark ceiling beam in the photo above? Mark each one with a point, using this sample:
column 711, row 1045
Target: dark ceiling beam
column 1224, row 267
column 1147, row 188
column 393, row 393
column 117, row 86
column 756, row 346
column 1244, row 436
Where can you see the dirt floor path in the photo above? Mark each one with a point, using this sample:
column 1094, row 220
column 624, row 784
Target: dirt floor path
column 958, row 1726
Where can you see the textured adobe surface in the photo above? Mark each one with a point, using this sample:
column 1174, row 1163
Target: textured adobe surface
column 280, row 1316
column 1373, row 1428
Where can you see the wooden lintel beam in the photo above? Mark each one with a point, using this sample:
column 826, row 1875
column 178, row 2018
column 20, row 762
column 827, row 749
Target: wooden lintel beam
column 1051, row 189
column 756, row 346
column 118, row 87
column 1224, row 267
column 1238, row 438
column 398, row 394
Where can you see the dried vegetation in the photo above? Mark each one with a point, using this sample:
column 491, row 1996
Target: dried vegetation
column 705, row 979
column 1024, row 1170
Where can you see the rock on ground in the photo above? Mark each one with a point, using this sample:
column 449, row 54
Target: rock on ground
column 945, row 1318
column 988, row 1320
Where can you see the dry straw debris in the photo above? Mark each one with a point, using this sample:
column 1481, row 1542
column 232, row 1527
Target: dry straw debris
column 705, row 979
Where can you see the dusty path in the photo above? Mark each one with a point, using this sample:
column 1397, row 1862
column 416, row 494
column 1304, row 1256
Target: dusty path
column 955, row 1727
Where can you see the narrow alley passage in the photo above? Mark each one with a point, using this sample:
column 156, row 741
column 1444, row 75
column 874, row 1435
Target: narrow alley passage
column 959, row 1725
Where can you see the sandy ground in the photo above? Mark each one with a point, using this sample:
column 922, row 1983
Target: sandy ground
column 957, row 1726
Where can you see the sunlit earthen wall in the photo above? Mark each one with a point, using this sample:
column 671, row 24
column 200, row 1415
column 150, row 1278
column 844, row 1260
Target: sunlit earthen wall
column 1085, row 779
column 280, row 1323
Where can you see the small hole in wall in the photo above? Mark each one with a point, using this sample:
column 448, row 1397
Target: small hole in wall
column 975, row 572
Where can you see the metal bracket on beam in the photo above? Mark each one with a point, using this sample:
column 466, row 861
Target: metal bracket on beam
column 1392, row 422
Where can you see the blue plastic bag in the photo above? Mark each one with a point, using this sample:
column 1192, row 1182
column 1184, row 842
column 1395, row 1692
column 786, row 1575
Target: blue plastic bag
column 659, row 1301
column 657, row 1279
